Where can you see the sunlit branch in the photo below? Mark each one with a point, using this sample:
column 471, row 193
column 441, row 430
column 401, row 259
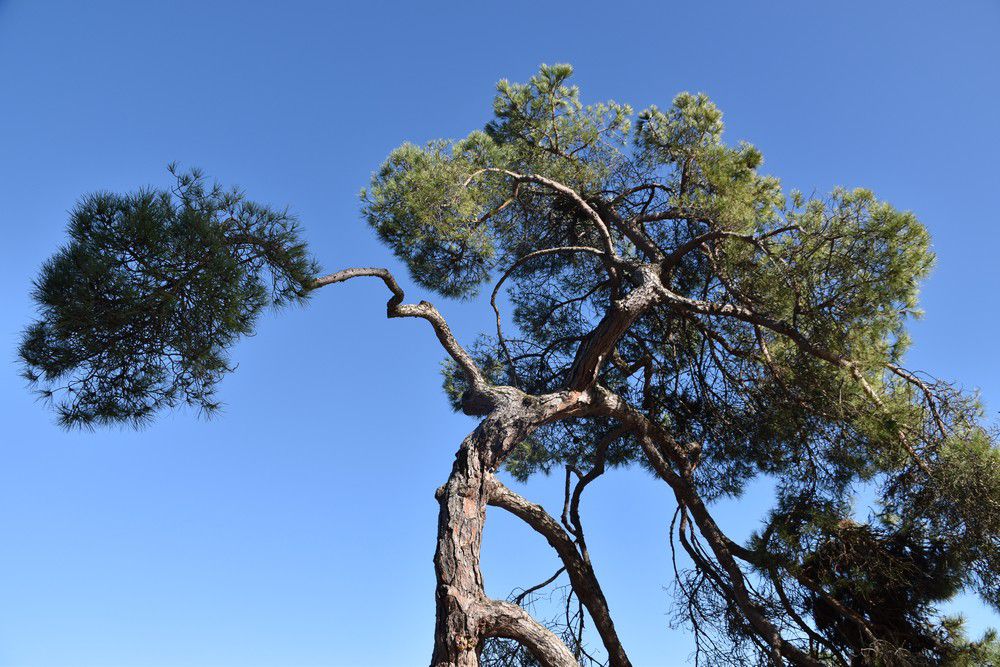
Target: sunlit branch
column 424, row 310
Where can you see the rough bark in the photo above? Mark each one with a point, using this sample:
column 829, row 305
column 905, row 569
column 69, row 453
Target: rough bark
column 464, row 614
column 459, row 595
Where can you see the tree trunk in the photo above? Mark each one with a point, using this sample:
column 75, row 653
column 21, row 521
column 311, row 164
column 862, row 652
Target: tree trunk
column 464, row 615
column 456, row 562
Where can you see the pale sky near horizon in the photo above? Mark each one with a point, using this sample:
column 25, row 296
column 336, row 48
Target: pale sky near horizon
column 296, row 529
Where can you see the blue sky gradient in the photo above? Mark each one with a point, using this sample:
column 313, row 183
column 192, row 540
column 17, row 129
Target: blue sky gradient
column 297, row 527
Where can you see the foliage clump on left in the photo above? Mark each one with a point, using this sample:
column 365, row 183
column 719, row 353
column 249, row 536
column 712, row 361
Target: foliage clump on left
column 138, row 309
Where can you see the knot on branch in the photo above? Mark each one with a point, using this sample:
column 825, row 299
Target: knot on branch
column 476, row 403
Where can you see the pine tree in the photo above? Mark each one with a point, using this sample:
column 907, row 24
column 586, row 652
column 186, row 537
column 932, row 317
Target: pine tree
column 672, row 310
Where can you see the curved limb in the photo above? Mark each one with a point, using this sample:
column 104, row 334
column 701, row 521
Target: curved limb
column 581, row 574
column 464, row 613
column 610, row 257
column 424, row 310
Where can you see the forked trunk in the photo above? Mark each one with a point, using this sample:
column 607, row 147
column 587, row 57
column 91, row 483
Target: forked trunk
column 464, row 614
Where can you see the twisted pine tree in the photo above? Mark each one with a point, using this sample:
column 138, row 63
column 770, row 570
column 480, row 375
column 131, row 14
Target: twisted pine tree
column 670, row 309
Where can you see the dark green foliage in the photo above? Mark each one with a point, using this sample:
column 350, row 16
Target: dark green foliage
column 959, row 506
column 138, row 310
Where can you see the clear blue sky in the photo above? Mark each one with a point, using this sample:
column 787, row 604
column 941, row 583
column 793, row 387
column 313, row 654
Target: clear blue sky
column 296, row 529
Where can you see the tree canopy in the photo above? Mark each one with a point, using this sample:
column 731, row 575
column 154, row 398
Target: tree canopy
column 671, row 308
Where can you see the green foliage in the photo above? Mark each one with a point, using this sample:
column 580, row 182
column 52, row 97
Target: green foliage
column 960, row 505
column 447, row 209
column 419, row 207
column 546, row 129
column 138, row 309
column 984, row 652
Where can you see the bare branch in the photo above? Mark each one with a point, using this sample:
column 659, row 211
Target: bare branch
column 656, row 442
column 424, row 310
column 519, row 598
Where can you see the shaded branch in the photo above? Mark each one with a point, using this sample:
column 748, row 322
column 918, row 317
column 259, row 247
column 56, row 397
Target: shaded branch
column 656, row 442
column 744, row 314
